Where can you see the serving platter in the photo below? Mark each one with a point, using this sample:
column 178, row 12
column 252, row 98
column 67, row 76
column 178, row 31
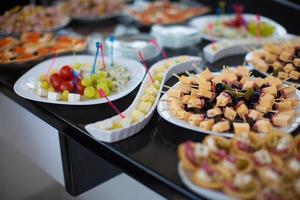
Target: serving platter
column 23, row 87
column 184, row 63
column 201, row 23
column 163, row 111
column 186, row 177
column 248, row 59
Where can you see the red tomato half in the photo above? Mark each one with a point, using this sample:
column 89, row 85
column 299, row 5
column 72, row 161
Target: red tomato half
column 66, row 72
column 56, row 81
column 66, row 85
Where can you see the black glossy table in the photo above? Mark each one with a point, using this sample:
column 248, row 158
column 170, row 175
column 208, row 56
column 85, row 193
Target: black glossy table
column 149, row 156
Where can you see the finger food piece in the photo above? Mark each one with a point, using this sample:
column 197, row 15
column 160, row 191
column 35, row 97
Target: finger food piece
column 221, row 126
column 281, row 119
column 274, row 176
column 223, row 99
column 293, row 165
column 263, row 158
column 241, row 109
column 229, row 113
column 263, row 126
column 279, row 144
column 205, row 93
column 211, row 177
column 206, row 74
column 196, row 119
column 206, row 124
column 243, row 186
column 255, row 115
column 214, row 112
column 240, row 128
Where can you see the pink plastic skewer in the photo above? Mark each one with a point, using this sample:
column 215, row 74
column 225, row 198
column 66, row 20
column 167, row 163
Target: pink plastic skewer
column 145, row 65
column 258, row 31
column 102, row 94
column 102, row 56
column 163, row 53
column 211, row 29
column 51, row 65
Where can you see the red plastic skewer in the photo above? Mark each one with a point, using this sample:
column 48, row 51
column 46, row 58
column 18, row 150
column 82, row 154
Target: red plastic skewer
column 145, row 65
column 102, row 94
column 163, row 53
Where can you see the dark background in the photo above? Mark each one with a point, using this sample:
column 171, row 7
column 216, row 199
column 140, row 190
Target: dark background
column 285, row 12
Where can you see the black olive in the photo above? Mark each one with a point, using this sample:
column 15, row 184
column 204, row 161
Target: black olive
column 196, row 110
column 236, row 85
column 251, row 105
column 207, row 104
column 219, row 88
column 217, row 118
column 270, row 70
column 236, row 100
column 255, row 97
column 264, row 86
column 250, row 121
column 186, row 108
column 269, row 115
column 239, row 120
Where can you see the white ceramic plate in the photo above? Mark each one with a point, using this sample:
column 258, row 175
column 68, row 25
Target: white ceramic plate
column 22, row 86
column 201, row 22
column 163, row 110
column 186, row 178
column 248, row 59
column 120, row 134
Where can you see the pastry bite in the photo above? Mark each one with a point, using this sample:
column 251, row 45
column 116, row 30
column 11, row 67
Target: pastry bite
column 245, row 144
column 218, row 146
column 293, row 165
column 262, row 158
column 275, row 176
column 279, row 144
column 191, row 154
column 210, row 176
column 242, row 186
column 234, row 163
column 296, row 144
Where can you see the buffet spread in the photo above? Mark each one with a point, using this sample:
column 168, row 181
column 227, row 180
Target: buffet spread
column 246, row 113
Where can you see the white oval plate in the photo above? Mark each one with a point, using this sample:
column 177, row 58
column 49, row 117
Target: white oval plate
column 248, row 59
column 22, row 86
column 186, row 177
column 123, row 133
column 163, row 111
column 201, row 22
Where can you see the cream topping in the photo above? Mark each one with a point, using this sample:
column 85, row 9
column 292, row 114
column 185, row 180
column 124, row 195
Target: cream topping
column 203, row 176
column 228, row 165
column 242, row 179
column 283, row 143
column 211, row 144
column 294, row 165
column 271, row 174
column 263, row 157
column 201, row 150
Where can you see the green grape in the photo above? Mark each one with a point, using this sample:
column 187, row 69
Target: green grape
column 44, row 85
column 110, row 84
column 42, row 77
column 86, row 82
column 64, row 95
column 102, row 74
column 51, row 89
column 104, row 87
column 77, row 66
column 89, row 92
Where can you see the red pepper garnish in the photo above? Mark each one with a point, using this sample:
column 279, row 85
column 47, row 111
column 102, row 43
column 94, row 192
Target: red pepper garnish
column 189, row 152
column 207, row 168
column 244, row 147
column 279, row 152
column 229, row 184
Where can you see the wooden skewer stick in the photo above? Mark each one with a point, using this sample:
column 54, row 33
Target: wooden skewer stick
column 166, row 100
column 176, row 75
column 244, row 119
column 166, row 86
column 188, row 73
column 196, row 68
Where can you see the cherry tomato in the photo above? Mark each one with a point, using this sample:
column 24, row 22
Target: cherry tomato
column 66, row 72
column 66, row 85
column 56, row 80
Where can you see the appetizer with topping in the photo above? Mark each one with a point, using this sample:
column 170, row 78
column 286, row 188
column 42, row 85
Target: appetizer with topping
column 279, row 59
column 259, row 174
column 233, row 101
column 32, row 18
column 91, row 9
column 33, row 46
column 164, row 12
column 76, row 83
